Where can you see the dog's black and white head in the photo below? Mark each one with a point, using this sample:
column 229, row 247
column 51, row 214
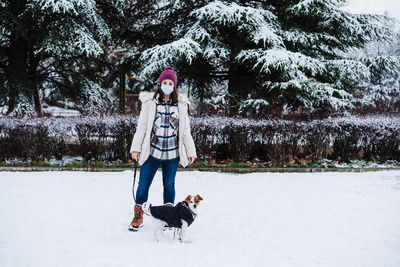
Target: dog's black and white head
column 193, row 204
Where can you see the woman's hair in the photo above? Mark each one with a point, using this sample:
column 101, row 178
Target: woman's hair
column 174, row 95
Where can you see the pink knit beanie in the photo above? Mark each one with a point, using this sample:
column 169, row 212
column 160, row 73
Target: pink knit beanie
column 168, row 73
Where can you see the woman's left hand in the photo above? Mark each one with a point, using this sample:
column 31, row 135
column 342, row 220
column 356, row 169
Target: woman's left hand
column 191, row 159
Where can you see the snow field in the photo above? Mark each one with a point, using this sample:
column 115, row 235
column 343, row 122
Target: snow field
column 257, row 219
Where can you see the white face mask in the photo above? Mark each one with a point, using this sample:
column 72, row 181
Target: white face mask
column 167, row 89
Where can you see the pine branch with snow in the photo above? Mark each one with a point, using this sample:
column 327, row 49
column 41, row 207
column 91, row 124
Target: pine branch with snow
column 384, row 87
column 79, row 29
column 156, row 58
column 292, row 51
column 94, row 99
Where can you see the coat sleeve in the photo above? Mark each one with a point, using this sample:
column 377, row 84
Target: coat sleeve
column 188, row 139
column 140, row 130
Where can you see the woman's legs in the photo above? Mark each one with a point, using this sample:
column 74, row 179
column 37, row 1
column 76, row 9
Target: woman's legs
column 147, row 173
column 169, row 168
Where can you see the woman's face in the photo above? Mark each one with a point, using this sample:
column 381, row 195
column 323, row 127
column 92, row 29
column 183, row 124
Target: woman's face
column 168, row 82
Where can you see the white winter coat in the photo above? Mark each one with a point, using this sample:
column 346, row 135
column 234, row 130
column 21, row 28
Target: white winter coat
column 141, row 139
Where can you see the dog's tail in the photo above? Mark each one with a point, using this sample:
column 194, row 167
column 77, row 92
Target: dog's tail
column 146, row 208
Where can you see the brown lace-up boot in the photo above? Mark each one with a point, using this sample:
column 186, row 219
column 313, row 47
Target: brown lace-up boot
column 137, row 221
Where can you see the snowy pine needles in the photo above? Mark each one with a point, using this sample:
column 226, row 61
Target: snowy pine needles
column 292, row 49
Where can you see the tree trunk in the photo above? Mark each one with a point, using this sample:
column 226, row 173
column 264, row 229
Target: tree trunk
column 17, row 55
column 32, row 77
column 36, row 98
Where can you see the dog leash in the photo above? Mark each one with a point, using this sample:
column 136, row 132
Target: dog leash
column 134, row 180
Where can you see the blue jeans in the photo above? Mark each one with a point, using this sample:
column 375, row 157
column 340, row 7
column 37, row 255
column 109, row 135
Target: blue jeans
column 147, row 173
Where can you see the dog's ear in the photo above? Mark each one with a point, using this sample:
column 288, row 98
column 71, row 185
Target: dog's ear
column 188, row 198
column 197, row 198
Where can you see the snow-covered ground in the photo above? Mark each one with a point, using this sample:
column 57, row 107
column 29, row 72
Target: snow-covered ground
column 257, row 219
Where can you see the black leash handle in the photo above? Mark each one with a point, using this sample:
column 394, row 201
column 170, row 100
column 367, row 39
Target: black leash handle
column 134, row 180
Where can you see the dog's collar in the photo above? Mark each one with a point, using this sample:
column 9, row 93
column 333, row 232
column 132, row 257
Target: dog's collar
column 186, row 205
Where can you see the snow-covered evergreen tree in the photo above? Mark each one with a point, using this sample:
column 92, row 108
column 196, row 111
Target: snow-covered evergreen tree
column 381, row 92
column 274, row 54
column 93, row 98
column 257, row 56
column 53, row 43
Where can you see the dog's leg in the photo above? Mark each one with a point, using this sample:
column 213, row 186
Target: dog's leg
column 160, row 227
column 183, row 237
column 156, row 228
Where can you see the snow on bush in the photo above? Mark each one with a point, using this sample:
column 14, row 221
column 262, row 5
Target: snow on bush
column 352, row 137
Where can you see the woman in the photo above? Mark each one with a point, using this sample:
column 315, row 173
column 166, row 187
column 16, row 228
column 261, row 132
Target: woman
column 162, row 136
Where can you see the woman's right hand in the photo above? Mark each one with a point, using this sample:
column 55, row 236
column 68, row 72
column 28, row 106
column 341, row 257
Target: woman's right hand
column 135, row 155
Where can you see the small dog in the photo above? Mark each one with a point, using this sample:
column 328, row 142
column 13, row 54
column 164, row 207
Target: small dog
column 181, row 216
